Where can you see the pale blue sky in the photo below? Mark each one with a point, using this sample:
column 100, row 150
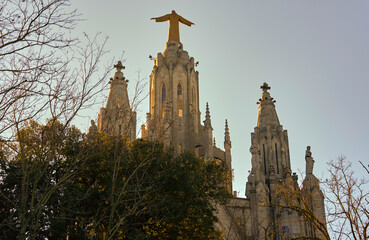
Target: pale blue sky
column 314, row 54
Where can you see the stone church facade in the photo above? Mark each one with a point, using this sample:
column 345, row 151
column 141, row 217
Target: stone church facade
column 271, row 209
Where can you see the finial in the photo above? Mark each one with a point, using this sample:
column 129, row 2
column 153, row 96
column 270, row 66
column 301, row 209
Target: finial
column 207, row 109
column 265, row 87
column 226, row 126
column 214, row 142
column 119, row 66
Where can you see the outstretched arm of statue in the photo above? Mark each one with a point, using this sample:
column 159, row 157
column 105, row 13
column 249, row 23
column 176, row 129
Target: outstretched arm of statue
column 185, row 21
column 162, row 18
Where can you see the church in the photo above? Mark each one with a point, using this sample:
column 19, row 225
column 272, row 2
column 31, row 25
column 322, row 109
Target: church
column 275, row 204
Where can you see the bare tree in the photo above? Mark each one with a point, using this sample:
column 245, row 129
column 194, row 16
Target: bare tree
column 302, row 203
column 347, row 201
column 45, row 72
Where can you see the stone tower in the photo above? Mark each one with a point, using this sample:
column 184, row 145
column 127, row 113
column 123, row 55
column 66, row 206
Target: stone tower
column 271, row 188
column 174, row 114
column 117, row 118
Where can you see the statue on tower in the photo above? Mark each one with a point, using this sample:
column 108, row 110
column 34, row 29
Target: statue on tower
column 93, row 128
column 174, row 20
column 309, row 161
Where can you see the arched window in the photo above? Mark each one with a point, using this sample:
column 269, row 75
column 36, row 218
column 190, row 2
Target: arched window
column 180, row 100
column 179, row 148
column 163, row 94
column 163, row 100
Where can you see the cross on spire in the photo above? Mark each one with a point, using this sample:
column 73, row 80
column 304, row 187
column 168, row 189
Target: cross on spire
column 265, row 87
column 119, row 66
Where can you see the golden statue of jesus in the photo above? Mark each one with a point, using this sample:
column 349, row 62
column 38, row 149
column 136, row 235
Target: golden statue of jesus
column 174, row 20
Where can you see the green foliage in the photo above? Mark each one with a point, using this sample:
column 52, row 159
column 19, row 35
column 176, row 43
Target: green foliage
column 34, row 171
column 56, row 183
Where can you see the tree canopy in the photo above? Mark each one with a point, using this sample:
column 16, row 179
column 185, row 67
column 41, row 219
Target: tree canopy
column 57, row 182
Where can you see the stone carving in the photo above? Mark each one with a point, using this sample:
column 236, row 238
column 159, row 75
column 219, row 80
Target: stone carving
column 174, row 20
column 256, row 158
column 93, row 128
column 309, row 161
column 261, row 195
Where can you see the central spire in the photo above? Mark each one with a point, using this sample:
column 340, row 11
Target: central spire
column 174, row 20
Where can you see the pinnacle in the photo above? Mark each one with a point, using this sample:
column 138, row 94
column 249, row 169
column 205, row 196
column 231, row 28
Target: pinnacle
column 267, row 115
column 207, row 110
column 226, row 126
column 227, row 138
column 207, row 121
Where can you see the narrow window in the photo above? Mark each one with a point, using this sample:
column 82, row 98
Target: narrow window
column 265, row 166
column 276, row 158
column 163, row 100
column 164, row 94
column 179, row 148
column 180, row 100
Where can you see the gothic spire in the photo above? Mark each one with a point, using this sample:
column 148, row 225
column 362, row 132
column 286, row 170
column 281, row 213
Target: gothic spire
column 227, row 138
column 118, row 95
column 117, row 117
column 267, row 115
column 207, row 121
